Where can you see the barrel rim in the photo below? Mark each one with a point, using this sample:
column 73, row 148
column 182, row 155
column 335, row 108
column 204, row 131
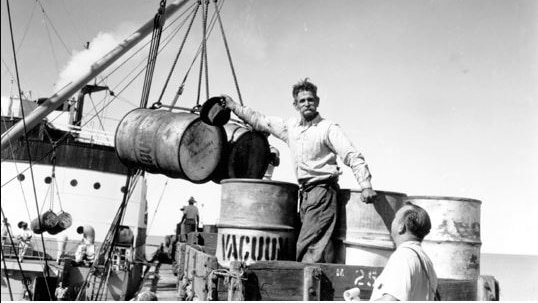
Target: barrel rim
column 445, row 198
column 246, row 180
column 386, row 245
column 222, row 134
column 258, row 227
column 377, row 191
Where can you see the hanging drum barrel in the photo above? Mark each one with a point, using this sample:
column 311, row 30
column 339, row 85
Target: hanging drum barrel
column 257, row 221
column 246, row 156
column 64, row 222
column 453, row 243
column 48, row 221
column 178, row 145
column 362, row 233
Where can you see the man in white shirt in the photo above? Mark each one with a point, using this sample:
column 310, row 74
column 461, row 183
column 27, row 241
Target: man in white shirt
column 409, row 274
column 314, row 143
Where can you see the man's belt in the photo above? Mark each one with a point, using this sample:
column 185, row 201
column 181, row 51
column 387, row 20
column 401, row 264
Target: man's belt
column 306, row 186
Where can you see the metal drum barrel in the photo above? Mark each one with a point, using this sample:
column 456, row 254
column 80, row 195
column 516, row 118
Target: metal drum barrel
column 48, row 221
column 257, row 221
column 64, row 222
column 246, row 156
column 453, row 243
column 362, row 234
column 178, row 145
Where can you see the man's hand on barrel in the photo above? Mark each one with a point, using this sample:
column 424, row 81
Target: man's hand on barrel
column 368, row 195
column 227, row 101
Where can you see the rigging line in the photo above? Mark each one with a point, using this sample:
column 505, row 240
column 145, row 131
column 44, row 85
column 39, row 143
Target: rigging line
column 182, row 85
column 108, row 243
column 7, row 68
column 25, row 131
column 86, row 122
column 142, row 47
column 97, row 116
column 13, row 245
column 205, row 51
column 7, row 275
column 228, row 53
column 204, row 17
column 27, row 26
column 194, row 14
column 12, row 150
column 52, row 47
column 73, row 24
column 158, row 22
column 157, row 208
column 53, row 27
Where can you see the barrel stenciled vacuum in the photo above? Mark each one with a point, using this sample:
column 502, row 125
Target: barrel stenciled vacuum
column 257, row 221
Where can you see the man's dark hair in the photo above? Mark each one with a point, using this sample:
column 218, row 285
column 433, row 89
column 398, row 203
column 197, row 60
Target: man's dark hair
column 416, row 220
column 304, row 85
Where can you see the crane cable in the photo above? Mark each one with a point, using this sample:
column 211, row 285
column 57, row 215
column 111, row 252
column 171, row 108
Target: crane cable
column 228, row 53
column 179, row 51
column 26, row 138
column 158, row 23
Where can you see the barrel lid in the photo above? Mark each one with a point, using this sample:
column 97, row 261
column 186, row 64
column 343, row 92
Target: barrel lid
column 445, row 198
column 257, row 181
column 213, row 113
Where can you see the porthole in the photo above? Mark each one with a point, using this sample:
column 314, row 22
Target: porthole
column 74, row 182
column 48, row 180
column 123, row 189
column 96, row 185
column 21, row 177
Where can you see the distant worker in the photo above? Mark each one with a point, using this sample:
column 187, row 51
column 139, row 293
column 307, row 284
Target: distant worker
column 274, row 161
column 6, row 230
column 25, row 239
column 409, row 274
column 314, row 143
column 85, row 253
column 190, row 217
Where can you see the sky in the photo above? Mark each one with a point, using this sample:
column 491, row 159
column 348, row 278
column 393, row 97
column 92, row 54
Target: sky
column 440, row 96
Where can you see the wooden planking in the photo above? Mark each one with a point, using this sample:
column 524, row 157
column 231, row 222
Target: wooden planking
column 166, row 289
column 284, row 280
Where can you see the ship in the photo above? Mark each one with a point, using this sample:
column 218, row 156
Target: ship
column 52, row 163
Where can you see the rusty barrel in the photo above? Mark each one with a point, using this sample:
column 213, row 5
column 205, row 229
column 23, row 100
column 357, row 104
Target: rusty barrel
column 48, row 221
column 257, row 221
column 362, row 234
column 453, row 243
column 178, row 145
column 246, row 155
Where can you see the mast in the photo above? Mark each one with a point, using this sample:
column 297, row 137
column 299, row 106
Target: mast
column 33, row 118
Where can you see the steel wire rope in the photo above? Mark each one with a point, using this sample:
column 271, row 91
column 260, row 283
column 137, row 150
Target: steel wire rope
column 27, row 26
column 7, row 275
column 179, row 51
column 117, row 95
column 228, row 53
column 15, row 251
column 204, row 53
column 199, row 50
column 157, row 208
column 153, row 52
column 168, row 38
column 26, row 140
column 57, row 65
column 53, row 27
